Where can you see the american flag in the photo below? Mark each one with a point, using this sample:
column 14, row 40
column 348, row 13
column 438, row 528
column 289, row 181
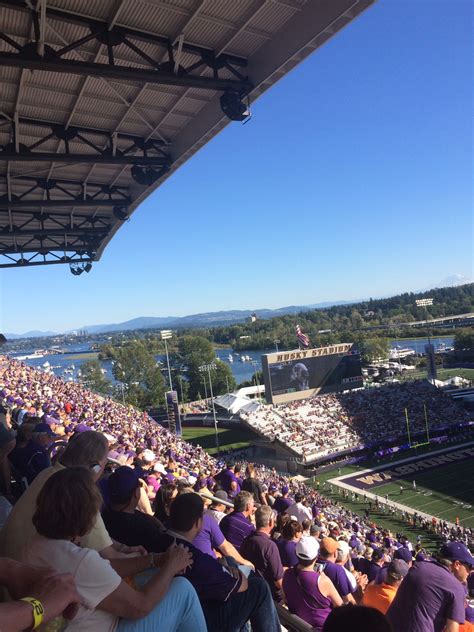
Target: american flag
column 302, row 338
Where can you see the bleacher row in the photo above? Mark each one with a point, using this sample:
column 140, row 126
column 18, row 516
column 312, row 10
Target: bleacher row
column 332, row 423
column 150, row 501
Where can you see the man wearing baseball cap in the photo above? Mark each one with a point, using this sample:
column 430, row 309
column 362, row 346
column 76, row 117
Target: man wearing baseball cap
column 336, row 573
column 431, row 597
column 309, row 594
column 401, row 553
column 380, row 596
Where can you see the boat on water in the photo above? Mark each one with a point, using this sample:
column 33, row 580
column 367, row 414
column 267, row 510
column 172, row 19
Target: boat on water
column 397, row 353
column 39, row 353
column 247, row 358
column 243, row 358
column 443, row 348
column 46, row 365
column 230, row 357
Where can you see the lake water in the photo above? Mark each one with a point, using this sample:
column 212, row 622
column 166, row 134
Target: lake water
column 242, row 371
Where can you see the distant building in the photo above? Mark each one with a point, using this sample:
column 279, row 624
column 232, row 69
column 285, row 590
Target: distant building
column 252, row 318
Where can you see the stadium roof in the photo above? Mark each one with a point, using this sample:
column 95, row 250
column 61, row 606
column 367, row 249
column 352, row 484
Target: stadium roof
column 102, row 100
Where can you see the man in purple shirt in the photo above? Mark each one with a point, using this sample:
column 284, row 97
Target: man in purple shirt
column 338, row 576
column 262, row 551
column 431, row 597
column 236, row 526
column 282, row 503
column 211, row 537
column 228, row 480
column 228, row 598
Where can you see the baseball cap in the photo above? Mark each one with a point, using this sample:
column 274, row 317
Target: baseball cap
column 398, row 569
column 122, row 483
column 457, row 551
column 159, row 467
column 44, row 429
column 403, row 554
column 307, row 549
column 285, row 489
column 148, row 456
column 330, row 545
column 344, row 547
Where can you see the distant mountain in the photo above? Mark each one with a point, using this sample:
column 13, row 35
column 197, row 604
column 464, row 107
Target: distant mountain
column 207, row 319
column 222, row 318
column 30, row 334
column 451, row 281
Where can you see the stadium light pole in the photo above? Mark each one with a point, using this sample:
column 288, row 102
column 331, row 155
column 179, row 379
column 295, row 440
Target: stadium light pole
column 203, row 368
column 255, row 365
column 167, row 334
column 276, row 344
column 425, row 302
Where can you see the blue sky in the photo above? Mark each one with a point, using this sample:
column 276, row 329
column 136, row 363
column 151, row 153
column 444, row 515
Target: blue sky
column 353, row 179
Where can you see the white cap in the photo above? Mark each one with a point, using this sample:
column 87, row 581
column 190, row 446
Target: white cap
column 159, row 467
column 344, row 547
column 148, row 456
column 307, row 548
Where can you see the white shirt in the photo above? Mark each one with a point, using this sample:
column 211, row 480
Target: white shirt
column 300, row 512
column 95, row 579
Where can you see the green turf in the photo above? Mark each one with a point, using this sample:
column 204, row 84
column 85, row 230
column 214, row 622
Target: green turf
column 446, row 492
column 229, row 438
column 440, row 492
column 443, row 374
column 394, row 523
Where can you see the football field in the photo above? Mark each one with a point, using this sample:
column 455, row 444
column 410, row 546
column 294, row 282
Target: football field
column 440, row 484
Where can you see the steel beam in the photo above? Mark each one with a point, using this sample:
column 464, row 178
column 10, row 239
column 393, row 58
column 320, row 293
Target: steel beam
column 57, row 216
column 156, row 161
column 53, row 232
column 73, row 247
column 122, row 73
column 84, row 130
column 116, row 188
column 78, row 203
column 100, row 26
column 25, row 263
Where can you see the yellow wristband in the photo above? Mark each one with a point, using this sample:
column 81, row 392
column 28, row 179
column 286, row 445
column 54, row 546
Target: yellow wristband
column 38, row 611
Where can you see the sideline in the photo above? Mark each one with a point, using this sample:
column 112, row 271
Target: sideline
column 339, row 482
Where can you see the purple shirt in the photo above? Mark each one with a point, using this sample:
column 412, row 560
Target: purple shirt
column 339, row 578
column 236, row 527
column 210, row 537
column 281, row 504
column 226, row 478
column 304, row 597
column 262, row 551
column 427, row 596
column 287, row 550
column 212, row 581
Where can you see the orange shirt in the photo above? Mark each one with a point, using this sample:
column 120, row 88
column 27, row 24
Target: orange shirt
column 379, row 596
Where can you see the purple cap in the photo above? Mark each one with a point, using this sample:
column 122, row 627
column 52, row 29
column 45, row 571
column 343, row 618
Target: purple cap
column 82, row 428
column 122, row 483
column 44, row 429
column 285, row 489
column 457, row 551
column 403, row 554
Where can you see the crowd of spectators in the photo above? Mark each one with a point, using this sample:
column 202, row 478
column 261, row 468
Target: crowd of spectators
column 152, row 543
column 342, row 421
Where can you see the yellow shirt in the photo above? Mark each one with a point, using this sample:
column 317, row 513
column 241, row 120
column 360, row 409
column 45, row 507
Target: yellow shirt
column 379, row 596
column 19, row 528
